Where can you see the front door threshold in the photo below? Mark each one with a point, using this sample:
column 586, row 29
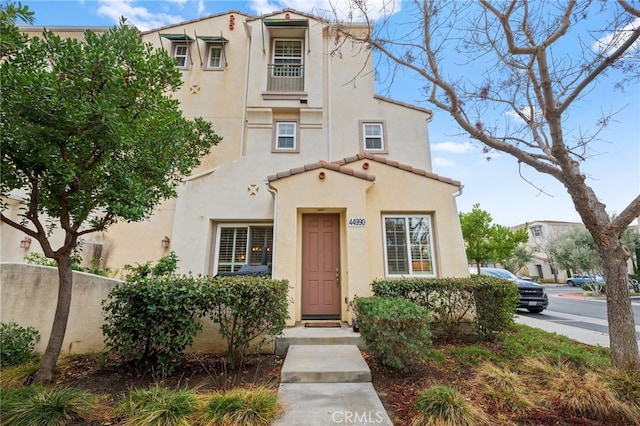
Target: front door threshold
column 320, row 317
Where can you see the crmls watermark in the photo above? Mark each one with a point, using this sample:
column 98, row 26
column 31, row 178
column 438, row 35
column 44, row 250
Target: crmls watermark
column 357, row 417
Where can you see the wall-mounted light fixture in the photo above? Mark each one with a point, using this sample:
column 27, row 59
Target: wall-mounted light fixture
column 165, row 242
column 25, row 243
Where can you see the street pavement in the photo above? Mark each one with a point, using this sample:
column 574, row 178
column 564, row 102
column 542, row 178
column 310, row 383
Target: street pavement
column 591, row 331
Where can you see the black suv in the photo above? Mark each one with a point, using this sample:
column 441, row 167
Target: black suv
column 532, row 295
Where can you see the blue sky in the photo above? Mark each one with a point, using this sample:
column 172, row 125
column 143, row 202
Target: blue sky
column 613, row 169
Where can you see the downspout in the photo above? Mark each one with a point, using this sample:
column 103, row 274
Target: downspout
column 243, row 125
column 274, row 194
column 329, row 130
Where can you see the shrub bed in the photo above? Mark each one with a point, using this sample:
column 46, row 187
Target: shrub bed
column 150, row 322
column 487, row 303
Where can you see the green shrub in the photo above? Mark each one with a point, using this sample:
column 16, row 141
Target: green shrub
column 47, row 407
column 167, row 265
column 76, row 263
column 150, row 322
column 246, row 407
column 455, row 302
column 396, row 330
column 495, row 303
column 247, row 309
column 450, row 300
column 158, row 406
column 17, row 344
column 440, row 405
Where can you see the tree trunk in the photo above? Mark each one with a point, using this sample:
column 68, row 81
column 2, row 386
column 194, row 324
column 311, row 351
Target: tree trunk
column 59, row 327
column 622, row 331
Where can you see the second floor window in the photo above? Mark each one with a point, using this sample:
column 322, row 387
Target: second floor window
column 287, row 58
column 215, row 57
column 286, row 136
column 181, row 54
column 373, row 140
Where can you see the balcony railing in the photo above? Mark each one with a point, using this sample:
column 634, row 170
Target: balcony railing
column 285, row 78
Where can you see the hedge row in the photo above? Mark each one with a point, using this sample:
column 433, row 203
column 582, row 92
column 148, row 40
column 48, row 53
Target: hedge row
column 149, row 322
column 487, row 302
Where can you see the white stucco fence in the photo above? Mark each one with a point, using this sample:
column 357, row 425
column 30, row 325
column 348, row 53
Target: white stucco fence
column 28, row 297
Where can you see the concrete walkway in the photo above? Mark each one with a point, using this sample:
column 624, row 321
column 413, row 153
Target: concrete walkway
column 325, row 380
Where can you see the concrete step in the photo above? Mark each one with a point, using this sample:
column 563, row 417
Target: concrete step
column 324, row 364
column 322, row 404
column 301, row 335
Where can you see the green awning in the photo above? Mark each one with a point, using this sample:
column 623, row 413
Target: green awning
column 213, row 39
column 176, row 37
column 286, row 23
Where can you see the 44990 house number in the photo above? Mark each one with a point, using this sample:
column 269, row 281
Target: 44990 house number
column 357, row 222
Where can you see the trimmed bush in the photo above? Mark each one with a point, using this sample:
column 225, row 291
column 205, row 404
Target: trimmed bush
column 450, row 300
column 495, row 302
column 17, row 344
column 487, row 302
column 247, row 309
column 150, row 322
column 396, row 330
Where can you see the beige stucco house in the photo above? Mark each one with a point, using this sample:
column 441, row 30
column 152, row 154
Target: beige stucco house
column 317, row 175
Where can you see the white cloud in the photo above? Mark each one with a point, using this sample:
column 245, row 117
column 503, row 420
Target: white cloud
column 200, row 7
column 454, row 147
column 139, row 16
column 375, row 9
column 526, row 111
column 614, row 39
column 443, row 162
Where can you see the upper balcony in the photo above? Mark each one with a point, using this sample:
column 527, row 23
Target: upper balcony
column 285, row 78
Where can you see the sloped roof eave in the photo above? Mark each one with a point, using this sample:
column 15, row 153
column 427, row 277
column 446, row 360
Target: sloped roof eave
column 321, row 165
column 405, row 167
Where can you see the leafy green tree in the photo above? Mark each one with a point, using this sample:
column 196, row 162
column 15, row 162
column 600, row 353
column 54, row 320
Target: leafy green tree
column 575, row 250
column 486, row 241
column 91, row 136
column 10, row 37
column 519, row 258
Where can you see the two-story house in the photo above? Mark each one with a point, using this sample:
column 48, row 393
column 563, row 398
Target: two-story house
column 317, row 176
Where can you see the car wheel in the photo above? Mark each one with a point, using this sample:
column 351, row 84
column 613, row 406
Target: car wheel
column 535, row 310
column 570, row 283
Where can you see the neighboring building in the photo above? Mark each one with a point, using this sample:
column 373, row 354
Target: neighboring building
column 330, row 180
column 541, row 233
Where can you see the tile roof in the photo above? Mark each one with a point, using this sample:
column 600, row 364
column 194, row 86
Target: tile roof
column 324, row 165
column 340, row 166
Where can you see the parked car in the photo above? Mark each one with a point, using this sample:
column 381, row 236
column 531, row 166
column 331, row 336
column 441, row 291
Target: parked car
column 634, row 285
column 578, row 280
column 532, row 295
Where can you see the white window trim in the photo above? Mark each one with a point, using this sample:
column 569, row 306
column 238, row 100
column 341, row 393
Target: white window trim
column 187, row 58
column 211, row 46
column 276, row 135
column 383, row 136
column 246, row 225
column 408, row 239
column 299, row 40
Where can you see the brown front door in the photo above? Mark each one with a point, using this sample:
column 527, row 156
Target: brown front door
column 320, row 266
